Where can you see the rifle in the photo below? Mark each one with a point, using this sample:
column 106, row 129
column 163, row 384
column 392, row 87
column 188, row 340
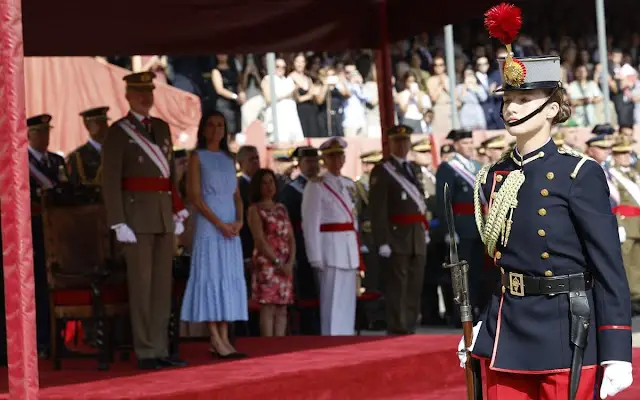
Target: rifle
column 460, row 282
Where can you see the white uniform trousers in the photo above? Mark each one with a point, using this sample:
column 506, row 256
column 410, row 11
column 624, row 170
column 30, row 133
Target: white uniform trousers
column 337, row 301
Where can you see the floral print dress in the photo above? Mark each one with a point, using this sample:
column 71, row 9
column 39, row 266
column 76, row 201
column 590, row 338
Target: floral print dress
column 270, row 285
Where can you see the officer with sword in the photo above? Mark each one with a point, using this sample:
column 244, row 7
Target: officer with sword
column 562, row 309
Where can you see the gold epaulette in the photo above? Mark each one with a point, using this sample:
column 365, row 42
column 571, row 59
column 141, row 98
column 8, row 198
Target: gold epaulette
column 574, row 153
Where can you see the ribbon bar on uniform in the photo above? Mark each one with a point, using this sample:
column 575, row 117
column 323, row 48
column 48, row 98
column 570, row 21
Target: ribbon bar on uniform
column 627, row 211
column 408, row 219
column 463, row 209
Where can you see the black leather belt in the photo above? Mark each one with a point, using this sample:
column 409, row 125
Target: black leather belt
column 522, row 285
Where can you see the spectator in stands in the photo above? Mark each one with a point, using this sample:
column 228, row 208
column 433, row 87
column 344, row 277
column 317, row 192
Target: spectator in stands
column 216, row 291
column 225, row 82
column 438, row 85
column 354, row 123
column 584, row 95
column 412, row 103
column 254, row 102
column 421, row 75
column 330, row 98
column 289, row 128
column 471, row 96
column 372, row 111
column 304, row 94
column 274, row 254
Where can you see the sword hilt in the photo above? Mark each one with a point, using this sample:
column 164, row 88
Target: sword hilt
column 462, row 264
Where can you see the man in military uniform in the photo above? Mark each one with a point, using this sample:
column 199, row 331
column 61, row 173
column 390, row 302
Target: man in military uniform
column 284, row 165
column 599, row 148
column 447, row 152
column 627, row 182
column 400, row 230
column 481, row 155
column 329, row 225
column 494, row 148
column 371, row 281
column 46, row 170
column 83, row 164
column 436, row 249
column 460, row 174
column 145, row 211
column 304, row 279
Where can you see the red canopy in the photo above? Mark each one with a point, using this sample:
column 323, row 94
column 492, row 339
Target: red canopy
column 121, row 27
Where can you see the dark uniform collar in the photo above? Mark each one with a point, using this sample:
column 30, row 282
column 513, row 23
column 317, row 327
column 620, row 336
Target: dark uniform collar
column 545, row 150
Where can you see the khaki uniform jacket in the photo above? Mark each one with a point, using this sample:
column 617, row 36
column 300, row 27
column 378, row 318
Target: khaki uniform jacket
column 387, row 198
column 84, row 165
column 630, row 224
column 122, row 157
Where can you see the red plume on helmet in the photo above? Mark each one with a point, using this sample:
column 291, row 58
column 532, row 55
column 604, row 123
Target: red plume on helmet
column 503, row 22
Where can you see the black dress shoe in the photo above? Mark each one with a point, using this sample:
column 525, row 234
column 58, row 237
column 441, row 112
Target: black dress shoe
column 171, row 361
column 238, row 355
column 148, row 364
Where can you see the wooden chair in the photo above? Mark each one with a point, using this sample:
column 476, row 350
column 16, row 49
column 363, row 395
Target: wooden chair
column 85, row 281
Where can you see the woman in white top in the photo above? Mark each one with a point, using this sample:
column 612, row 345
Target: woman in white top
column 412, row 103
column 288, row 124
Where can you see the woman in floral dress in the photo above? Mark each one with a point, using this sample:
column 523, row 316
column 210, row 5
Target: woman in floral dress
column 273, row 255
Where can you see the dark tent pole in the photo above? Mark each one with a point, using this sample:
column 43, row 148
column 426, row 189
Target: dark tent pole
column 16, row 210
column 384, row 74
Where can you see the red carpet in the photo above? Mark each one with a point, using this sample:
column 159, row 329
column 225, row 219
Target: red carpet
column 408, row 368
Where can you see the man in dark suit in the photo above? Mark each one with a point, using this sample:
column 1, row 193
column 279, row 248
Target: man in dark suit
column 83, row 164
column 291, row 196
column 400, row 230
column 46, row 170
column 249, row 161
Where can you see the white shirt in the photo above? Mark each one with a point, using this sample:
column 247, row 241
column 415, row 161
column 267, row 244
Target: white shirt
column 321, row 206
column 139, row 117
column 95, row 145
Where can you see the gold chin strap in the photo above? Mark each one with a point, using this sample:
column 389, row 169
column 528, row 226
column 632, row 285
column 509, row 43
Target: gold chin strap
column 500, row 216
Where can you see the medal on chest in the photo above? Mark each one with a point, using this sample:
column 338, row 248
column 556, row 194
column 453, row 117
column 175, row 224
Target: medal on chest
column 403, row 195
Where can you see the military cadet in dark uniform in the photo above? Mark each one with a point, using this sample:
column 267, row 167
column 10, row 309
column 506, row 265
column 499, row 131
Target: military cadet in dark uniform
column 459, row 173
column 400, row 230
column 304, row 278
column 553, row 237
column 46, row 170
column 83, row 164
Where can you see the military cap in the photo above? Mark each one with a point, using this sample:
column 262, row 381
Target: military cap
column 283, row 155
column 622, row 144
column 481, row 150
column 446, row 149
column 603, row 129
column 371, row 157
column 422, row 146
column 305, row 151
column 334, row 145
column 399, row 131
column 142, row 81
column 602, row 141
column 95, row 113
column 39, row 122
column 496, row 142
column 459, row 134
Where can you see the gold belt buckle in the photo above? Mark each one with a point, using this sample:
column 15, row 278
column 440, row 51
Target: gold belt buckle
column 516, row 284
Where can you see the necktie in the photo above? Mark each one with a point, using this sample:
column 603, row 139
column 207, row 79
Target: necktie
column 45, row 161
column 147, row 124
column 407, row 168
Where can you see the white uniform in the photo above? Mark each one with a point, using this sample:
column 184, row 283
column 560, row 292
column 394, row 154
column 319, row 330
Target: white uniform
column 332, row 248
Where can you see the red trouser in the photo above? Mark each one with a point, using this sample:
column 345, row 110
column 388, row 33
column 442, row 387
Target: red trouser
column 554, row 386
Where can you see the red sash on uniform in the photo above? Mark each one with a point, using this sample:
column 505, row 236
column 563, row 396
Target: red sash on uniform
column 344, row 227
column 463, row 209
column 408, row 219
column 152, row 184
column 626, row 211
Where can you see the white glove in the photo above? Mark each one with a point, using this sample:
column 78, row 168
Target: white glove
column 427, row 238
column 622, row 233
column 617, row 377
column 384, row 251
column 316, row 265
column 364, row 249
column 446, row 238
column 124, row 234
column 182, row 214
column 179, row 228
column 462, row 354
